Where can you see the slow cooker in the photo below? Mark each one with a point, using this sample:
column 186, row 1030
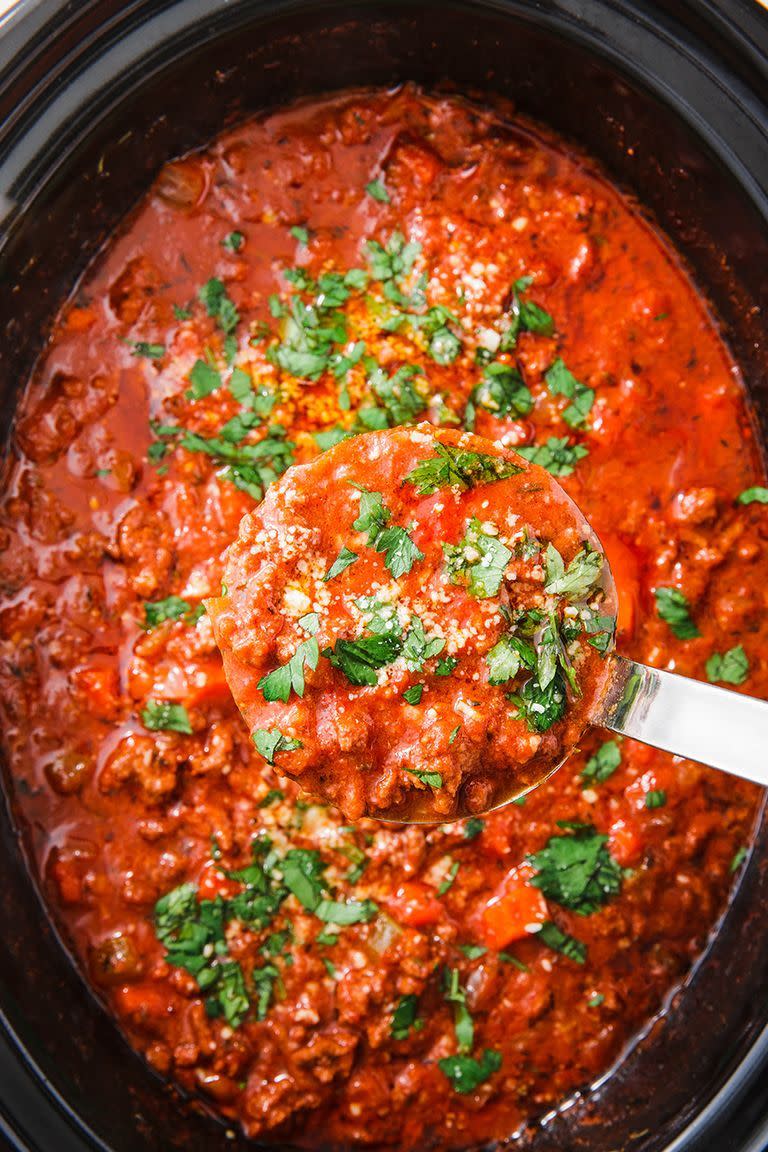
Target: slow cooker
column 672, row 97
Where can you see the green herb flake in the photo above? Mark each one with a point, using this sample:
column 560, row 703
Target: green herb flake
column 274, row 796
column 377, row 190
column 204, row 380
column 595, row 1000
column 465, row 1073
column 673, row 608
column 446, row 665
column 739, row 857
column 158, row 611
column 451, row 875
column 577, row 870
column 559, row 941
column 148, row 351
column 344, row 559
column 731, row 667
column 557, row 455
column 472, row 951
column 473, row 827
column 413, row 694
column 405, row 1018
column 360, row 659
column 755, row 495
column 454, row 733
column 655, row 799
column 603, row 764
column 455, row 466
column 277, row 685
column 561, row 382
column 463, row 1024
column 270, row 743
column 478, row 560
column 233, row 241
column 579, row 579
column 160, row 716
column 431, row 779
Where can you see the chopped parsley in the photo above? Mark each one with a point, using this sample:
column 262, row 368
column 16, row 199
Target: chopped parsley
column 557, row 455
column 400, row 552
column 579, row 579
column 431, row 779
column 270, row 743
column 674, row 609
column 473, row 827
column 577, row 870
column 399, row 396
column 406, row 1018
column 160, row 716
column 478, row 560
column 217, row 303
column 466, row 1073
column 603, row 764
column 506, row 658
column 302, row 871
column 274, row 796
column 731, row 667
column 473, row 951
column 525, row 316
column 148, row 351
column 360, row 659
column 560, row 941
column 413, row 694
column 454, row 733
column 344, row 559
column 463, row 1024
column 502, row 392
column 300, row 234
column 755, row 495
column 446, row 665
column 561, row 382
column 595, row 1000
column 738, row 859
column 539, row 706
column 393, row 260
column 418, row 647
column 158, row 611
column 451, row 875
column 233, row 241
column 277, row 685
column 655, row 799
column 455, row 466
column 377, row 191
column 250, row 467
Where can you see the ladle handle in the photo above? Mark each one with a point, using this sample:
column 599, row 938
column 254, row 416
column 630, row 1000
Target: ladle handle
column 711, row 725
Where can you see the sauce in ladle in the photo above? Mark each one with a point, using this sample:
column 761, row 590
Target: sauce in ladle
column 415, row 624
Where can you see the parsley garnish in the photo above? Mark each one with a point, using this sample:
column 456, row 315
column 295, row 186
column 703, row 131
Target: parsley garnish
column 466, row 1074
column 603, row 764
column 738, row 859
column 431, row 779
column 577, row 870
column 446, row 665
column 360, row 659
column 502, row 392
column 473, row 951
column 462, row 1020
column 560, row 941
column 158, row 611
column 525, row 316
column 558, row 455
column 755, row 495
column 342, row 562
column 377, row 190
column 270, row 743
column 217, row 303
column 394, row 260
column 149, row 351
column 204, row 380
column 405, row 1018
column 300, row 234
column 398, row 394
column 277, row 685
column 302, row 870
column 160, row 716
column 413, row 694
column 451, row 875
column 562, row 382
column 673, row 609
column 274, row 796
column 456, row 466
column 473, row 827
column 418, row 647
column 655, row 799
column 400, row 552
column 507, row 656
column 479, row 560
column 731, row 667
column 541, row 707
column 577, row 581
column 233, row 242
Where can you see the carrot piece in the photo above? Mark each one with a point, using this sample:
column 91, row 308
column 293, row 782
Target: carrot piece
column 512, row 911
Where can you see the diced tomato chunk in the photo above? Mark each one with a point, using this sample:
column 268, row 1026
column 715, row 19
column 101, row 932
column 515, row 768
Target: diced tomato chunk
column 415, row 904
column 98, row 684
column 206, row 684
column 145, row 1002
column 512, row 911
column 624, row 843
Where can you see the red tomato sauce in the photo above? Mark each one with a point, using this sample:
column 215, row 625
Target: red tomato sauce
column 388, row 611
column 367, row 985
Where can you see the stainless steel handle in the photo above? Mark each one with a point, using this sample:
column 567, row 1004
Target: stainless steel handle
column 723, row 729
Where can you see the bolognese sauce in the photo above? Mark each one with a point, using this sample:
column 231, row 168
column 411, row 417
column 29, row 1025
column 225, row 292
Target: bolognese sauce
column 373, row 260
column 415, row 624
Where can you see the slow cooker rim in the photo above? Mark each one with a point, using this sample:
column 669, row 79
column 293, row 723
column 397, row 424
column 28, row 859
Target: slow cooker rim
column 756, row 1058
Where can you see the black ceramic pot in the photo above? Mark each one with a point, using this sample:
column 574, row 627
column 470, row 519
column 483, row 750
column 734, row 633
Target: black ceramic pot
column 672, row 97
